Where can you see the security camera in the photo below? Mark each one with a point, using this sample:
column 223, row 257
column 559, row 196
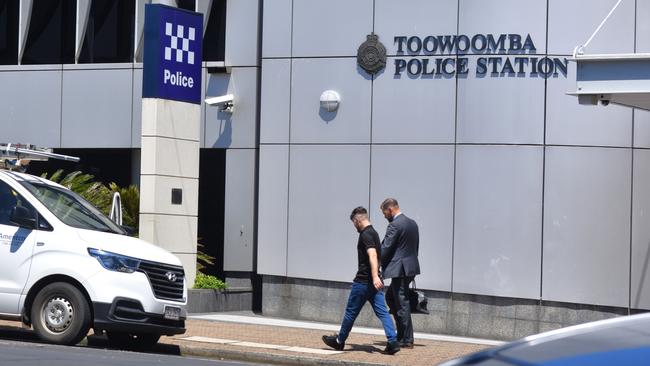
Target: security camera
column 224, row 101
column 217, row 101
column 604, row 100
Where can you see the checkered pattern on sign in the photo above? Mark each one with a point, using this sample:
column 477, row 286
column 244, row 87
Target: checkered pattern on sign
column 179, row 45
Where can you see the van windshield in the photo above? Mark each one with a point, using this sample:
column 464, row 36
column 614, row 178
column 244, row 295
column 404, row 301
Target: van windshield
column 71, row 208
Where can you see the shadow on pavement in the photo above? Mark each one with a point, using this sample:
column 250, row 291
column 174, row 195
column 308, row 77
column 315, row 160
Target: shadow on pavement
column 100, row 341
column 93, row 341
column 364, row 348
column 17, row 334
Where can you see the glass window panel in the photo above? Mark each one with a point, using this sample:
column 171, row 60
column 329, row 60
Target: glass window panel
column 214, row 40
column 51, row 35
column 187, row 4
column 8, row 32
column 109, row 33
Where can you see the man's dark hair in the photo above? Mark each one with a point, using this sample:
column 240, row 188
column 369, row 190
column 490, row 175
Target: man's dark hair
column 358, row 211
column 389, row 202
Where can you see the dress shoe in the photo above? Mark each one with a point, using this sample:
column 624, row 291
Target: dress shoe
column 333, row 342
column 406, row 345
column 392, row 348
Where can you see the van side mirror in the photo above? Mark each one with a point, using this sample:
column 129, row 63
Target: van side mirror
column 22, row 217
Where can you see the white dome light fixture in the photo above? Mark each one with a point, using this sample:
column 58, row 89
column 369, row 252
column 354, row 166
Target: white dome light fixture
column 330, row 100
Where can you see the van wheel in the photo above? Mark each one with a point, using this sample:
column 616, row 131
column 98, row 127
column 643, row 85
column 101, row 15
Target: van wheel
column 60, row 314
column 138, row 341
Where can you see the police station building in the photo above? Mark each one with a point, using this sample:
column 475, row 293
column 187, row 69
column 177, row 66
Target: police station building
column 533, row 209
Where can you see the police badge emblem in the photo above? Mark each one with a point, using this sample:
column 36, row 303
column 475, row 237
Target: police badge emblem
column 371, row 55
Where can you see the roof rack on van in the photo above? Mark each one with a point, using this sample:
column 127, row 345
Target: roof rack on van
column 16, row 157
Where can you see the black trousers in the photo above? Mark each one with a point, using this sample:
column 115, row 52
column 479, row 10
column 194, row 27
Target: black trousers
column 400, row 307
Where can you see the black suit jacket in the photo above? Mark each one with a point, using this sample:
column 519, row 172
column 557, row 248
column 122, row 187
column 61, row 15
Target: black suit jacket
column 399, row 249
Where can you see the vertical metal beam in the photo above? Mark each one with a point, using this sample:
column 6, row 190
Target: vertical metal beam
column 139, row 24
column 139, row 28
column 204, row 7
column 83, row 13
column 23, row 26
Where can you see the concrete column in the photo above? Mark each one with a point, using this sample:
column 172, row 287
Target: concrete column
column 169, row 163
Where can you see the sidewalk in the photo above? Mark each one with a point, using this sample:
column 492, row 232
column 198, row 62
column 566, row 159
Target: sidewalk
column 261, row 339
column 258, row 339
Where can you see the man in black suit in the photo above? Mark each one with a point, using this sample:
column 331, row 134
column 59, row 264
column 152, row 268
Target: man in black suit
column 399, row 260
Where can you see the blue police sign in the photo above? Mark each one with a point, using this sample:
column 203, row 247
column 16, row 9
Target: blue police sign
column 172, row 54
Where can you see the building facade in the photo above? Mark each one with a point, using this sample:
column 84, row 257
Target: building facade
column 532, row 209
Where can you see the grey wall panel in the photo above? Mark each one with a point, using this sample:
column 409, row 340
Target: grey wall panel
column 642, row 26
column 500, row 109
column 311, row 124
column 396, row 18
column 240, row 210
column 640, row 296
column 330, row 28
column 136, row 129
column 421, row 110
column 326, row 183
column 587, row 225
column 571, row 23
column 497, row 246
column 569, row 123
column 275, row 103
column 496, row 17
column 97, row 107
column 641, row 128
column 31, row 107
column 272, row 210
column 276, row 28
column 421, row 178
column 236, row 130
column 241, row 33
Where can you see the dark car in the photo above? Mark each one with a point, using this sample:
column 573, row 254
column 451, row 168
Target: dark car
column 612, row 342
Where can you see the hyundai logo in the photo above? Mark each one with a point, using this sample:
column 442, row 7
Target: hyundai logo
column 171, row 276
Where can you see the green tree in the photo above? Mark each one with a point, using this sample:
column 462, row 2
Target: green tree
column 130, row 204
column 100, row 195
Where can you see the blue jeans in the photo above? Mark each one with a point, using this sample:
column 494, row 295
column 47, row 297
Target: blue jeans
column 362, row 292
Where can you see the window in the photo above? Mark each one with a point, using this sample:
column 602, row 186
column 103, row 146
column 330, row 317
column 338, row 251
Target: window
column 187, row 5
column 109, row 33
column 8, row 32
column 214, row 41
column 51, row 35
column 9, row 201
column 71, row 208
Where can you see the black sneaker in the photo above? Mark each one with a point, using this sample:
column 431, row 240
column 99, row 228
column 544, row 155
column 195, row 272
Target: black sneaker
column 333, row 342
column 392, row 348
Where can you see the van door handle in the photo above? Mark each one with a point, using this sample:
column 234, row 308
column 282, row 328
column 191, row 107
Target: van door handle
column 40, row 244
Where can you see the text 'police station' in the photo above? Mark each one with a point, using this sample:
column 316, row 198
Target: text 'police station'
column 503, row 55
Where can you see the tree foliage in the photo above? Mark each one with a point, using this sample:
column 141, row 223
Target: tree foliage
column 209, row 282
column 100, row 195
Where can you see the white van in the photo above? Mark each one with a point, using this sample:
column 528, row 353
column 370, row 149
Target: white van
column 66, row 268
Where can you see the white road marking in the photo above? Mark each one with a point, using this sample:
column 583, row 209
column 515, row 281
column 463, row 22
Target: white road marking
column 260, row 345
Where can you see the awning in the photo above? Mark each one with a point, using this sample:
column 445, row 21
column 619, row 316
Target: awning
column 616, row 78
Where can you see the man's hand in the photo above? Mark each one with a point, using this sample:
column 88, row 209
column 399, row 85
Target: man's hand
column 379, row 284
column 374, row 269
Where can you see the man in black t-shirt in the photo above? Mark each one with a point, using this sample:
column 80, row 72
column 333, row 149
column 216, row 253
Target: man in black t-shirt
column 367, row 286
